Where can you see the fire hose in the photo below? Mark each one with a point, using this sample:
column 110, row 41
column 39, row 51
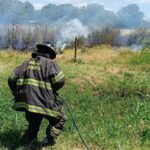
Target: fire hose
column 73, row 119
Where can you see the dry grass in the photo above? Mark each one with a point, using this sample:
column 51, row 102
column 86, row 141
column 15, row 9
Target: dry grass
column 103, row 54
column 95, row 64
column 92, row 66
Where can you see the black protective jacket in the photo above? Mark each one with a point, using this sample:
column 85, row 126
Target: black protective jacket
column 34, row 83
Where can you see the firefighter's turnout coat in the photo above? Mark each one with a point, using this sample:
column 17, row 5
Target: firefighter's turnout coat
column 34, row 83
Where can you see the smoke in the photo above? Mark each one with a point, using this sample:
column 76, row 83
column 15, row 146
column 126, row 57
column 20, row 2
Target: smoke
column 69, row 31
column 62, row 24
column 72, row 29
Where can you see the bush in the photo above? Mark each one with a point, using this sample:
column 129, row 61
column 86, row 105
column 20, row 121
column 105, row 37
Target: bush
column 125, row 86
column 146, row 43
column 25, row 37
column 138, row 35
column 141, row 58
column 107, row 36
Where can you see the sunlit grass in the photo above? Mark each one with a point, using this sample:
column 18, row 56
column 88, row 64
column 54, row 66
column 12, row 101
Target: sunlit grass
column 109, row 92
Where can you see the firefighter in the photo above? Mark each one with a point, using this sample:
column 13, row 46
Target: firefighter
column 34, row 84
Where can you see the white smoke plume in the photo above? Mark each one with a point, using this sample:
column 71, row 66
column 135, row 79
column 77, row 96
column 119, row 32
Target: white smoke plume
column 69, row 31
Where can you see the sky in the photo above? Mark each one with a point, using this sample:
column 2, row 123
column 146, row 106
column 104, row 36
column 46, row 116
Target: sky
column 113, row 5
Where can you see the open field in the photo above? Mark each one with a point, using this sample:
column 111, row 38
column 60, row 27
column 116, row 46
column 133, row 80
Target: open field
column 109, row 92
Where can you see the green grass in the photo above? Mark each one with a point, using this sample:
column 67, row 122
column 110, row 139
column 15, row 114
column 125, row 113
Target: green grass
column 142, row 59
column 110, row 99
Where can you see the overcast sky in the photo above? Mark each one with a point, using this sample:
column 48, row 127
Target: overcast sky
column 113, row 5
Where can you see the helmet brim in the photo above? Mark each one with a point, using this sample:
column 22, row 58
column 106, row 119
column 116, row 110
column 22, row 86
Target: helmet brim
column 46, row 49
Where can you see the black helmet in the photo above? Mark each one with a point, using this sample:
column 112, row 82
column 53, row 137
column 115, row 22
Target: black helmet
column 46, row 48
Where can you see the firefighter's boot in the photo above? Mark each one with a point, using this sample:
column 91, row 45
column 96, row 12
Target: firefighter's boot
column 48, row 141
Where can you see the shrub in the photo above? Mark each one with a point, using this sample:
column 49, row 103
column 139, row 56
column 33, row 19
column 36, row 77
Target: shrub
column 138, row 35
column 146, row 43
column 106, row 35
column 141, row 58
column 125, row 86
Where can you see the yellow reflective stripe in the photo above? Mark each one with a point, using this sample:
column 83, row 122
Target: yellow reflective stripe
column 34, row 82
column 33, row 63
column 34, row 67
column 55, row 130
column 36, row 109
column 58, row 77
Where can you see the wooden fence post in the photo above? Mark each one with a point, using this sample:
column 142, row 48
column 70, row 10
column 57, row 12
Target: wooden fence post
column 75, row 54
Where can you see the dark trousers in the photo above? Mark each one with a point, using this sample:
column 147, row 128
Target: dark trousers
column 53, row 129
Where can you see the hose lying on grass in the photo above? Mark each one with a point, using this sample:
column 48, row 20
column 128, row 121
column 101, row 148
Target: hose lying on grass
column 73, row 119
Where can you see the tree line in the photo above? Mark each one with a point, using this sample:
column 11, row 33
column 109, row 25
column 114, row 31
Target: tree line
column 92, row 15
